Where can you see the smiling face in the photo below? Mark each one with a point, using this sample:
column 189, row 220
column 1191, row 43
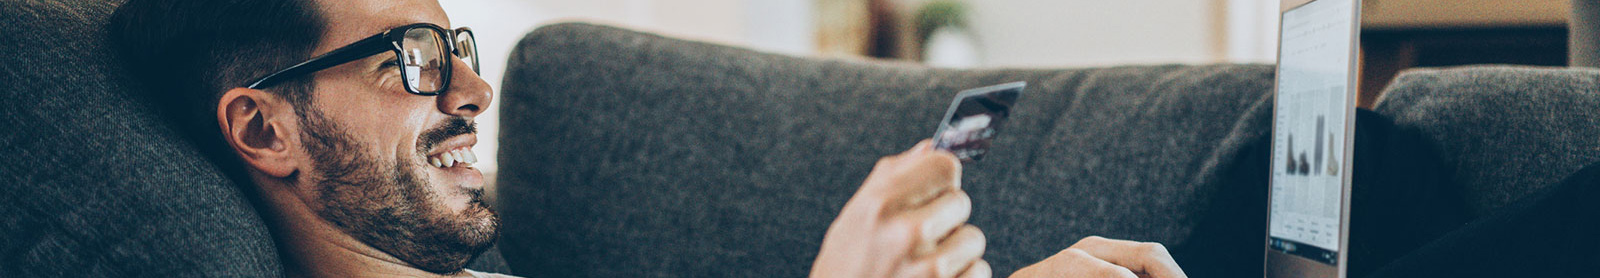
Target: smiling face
column 390, row 168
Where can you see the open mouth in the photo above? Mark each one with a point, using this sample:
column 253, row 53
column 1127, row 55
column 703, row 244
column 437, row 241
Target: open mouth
column 458, row 157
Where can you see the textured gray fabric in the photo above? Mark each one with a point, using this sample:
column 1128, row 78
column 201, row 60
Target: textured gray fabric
column 632, row 155
column 1508, row 131
column 95, row 184
column 490, row 261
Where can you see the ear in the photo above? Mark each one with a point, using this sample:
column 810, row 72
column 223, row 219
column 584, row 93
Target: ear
column 259, row 125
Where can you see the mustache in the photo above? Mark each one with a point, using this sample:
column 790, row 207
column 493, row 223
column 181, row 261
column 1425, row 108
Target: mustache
column 451, row 128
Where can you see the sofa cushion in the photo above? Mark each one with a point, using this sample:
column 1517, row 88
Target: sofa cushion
column 632, row 155
column 95, row 184
column 1507, row 131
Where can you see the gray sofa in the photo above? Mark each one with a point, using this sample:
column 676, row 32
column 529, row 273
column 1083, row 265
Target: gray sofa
column 628, row 154
column 1507, row 131
column 632, row 155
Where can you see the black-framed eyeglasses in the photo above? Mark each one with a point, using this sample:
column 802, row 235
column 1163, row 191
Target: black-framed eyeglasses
column 421, row 50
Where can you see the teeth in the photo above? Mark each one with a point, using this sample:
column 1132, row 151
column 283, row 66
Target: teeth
column 451, row 158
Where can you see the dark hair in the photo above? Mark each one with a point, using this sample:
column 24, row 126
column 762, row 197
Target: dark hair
column 189, row 52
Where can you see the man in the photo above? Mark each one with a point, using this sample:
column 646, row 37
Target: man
column 351, row 121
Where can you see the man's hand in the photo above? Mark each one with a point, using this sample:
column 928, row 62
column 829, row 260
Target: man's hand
column 1098, row 257
column 907, row 220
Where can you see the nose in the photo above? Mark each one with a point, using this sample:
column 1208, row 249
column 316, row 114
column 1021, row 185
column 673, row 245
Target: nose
column 468, row 94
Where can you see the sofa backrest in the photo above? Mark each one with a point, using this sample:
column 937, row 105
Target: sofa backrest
column 632, row 155
column 1506, row 131
column 95, row 183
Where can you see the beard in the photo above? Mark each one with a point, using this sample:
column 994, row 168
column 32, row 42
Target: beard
column 393, row 208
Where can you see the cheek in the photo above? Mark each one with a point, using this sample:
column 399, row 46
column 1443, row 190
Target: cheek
column 398, row 123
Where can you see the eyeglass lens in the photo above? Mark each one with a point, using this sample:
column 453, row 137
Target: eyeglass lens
column 423, row 60
column 467, row 49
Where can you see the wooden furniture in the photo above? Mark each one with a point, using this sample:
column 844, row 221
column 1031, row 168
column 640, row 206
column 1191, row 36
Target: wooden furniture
column 1401, row 34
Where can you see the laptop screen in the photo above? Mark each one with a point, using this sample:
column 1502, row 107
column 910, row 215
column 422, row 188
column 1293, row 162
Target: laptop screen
column 1310, row 129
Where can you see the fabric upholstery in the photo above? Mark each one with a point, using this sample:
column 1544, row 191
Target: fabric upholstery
column 632, row 155
column 1508, row 131
column 96, row 184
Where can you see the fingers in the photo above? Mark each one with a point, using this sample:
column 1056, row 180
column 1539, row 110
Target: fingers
column 1090, row 266
column 914, row 177
column 978, row 269
column 938, row 219
column 924, row 145
column 1140, row 257
column 906, row 220
column 960, row 251
column 955, row 256
column 1073, row 263
column 928, row 174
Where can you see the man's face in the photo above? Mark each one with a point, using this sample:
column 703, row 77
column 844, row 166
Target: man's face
column 371, row 143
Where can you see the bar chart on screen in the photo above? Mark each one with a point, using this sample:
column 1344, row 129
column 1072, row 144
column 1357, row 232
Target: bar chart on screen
column 1309, row 129
column 1321, row 160
column 1306, row 181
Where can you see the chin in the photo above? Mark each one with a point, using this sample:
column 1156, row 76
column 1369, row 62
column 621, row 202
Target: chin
column 475, row 215
column 480, row 228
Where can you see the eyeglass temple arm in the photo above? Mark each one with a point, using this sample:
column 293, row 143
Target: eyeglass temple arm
column 360, row 49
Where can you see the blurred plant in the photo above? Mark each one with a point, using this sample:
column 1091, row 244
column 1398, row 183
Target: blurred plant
column 939, row 14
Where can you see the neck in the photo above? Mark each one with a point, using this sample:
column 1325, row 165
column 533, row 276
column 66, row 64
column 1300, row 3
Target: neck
column 312, row 247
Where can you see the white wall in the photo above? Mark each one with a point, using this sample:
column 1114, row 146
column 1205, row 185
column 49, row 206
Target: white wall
column 1252, row 31
column 1074, row 33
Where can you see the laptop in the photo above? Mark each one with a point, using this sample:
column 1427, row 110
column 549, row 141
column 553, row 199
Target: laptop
column 1313, row 126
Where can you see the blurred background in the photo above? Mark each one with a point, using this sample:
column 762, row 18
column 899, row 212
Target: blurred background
column 1397, row 34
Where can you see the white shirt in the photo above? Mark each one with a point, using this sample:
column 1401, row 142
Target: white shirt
column 476, row 274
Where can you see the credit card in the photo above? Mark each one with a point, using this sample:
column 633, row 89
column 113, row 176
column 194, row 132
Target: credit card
column 974, row 118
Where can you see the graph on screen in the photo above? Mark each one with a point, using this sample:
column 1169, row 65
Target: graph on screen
column 1310, row 129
